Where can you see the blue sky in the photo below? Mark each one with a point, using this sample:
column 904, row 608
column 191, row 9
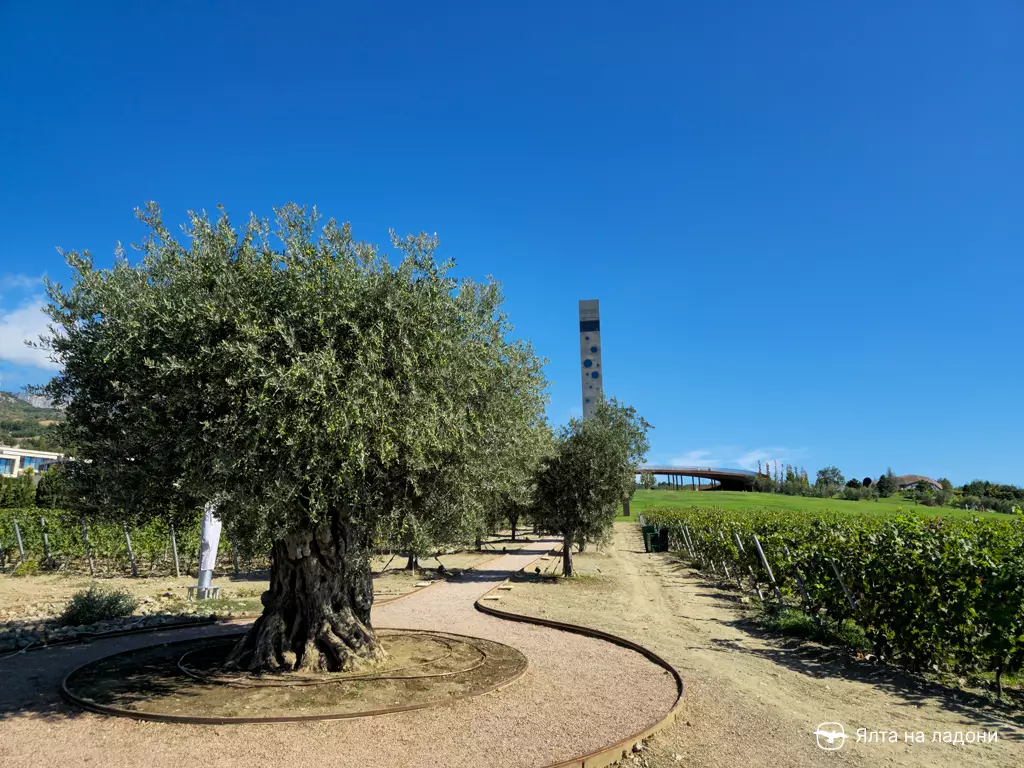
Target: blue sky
column 804, row 221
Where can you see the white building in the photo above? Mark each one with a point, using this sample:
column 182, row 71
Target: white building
column 14, row 461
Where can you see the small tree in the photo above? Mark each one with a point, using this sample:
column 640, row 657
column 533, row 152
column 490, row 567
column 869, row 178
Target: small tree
column 647, row 480
column 595, row 461
column 886, row 484
column 49, row 490
column 866, row 482
column 830, row 475
column 850, row 493
column 853, row 482
column 868, row 493
column 17, row 492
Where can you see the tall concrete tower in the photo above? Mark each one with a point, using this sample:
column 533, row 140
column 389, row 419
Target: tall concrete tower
column 590, row 355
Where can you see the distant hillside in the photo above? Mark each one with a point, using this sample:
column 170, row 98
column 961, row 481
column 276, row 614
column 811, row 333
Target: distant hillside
column 25, row 425
column 39, row 401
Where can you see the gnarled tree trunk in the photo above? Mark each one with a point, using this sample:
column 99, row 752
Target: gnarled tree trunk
column 316, row 614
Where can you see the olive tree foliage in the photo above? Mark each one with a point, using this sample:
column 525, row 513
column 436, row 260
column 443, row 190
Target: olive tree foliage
column 319, row 391
column 498, row 469
column 592, row 469
column 510, row 491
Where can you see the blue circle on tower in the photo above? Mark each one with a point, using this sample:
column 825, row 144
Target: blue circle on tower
column 593, row 375
column 593, row 349
column 587, row 363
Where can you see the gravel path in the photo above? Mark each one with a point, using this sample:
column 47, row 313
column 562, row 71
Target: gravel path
column 578, row 695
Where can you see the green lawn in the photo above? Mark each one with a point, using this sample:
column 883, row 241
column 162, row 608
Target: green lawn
column 740, row 500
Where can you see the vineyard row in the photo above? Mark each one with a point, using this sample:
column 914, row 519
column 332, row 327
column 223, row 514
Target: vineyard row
column 32, row 539
column 930, row 594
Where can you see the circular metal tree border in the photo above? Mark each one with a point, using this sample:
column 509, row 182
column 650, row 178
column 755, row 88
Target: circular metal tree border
column 105, row 709
column 600, row 758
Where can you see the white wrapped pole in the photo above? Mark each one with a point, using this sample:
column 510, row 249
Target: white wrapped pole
column 208, row 546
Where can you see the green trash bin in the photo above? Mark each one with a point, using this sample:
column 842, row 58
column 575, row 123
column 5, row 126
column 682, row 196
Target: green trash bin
column 649, row 532
column 660, row 541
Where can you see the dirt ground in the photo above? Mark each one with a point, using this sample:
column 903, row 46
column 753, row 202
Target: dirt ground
column 754, row 699
column 578, row 694
column 44, row 596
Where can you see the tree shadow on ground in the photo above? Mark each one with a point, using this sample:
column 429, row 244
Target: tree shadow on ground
column 824, row 662
column 478, row 576
column 911, row 690
column 32, row 680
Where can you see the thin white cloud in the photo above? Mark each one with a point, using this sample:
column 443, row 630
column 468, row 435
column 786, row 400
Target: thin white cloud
column 27, row 322
column 11, row 282
column 695, row 459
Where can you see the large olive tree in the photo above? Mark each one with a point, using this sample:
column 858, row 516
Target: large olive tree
column 593, row 468
column 315, row 389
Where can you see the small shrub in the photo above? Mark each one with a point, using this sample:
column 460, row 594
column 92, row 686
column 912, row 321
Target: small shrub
column 851, row 494
column 796, row 623
column 98, row 604
column 867, row 493
column 27, row 568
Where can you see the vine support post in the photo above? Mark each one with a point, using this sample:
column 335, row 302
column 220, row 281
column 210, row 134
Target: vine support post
column 693, row 547
column 686, row 540
column 21, row 545
column 174, row 552
column 131, row 552
column 839, row 577
column 803, row 587
column 87, row 546
column 46, row 540
column 739, row 581
column 753, row 578
column 711, row 560
column 725, row 564
column 799, row 579
column 768, row 568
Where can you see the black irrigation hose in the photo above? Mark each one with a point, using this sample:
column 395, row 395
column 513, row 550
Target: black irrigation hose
column 367, row 677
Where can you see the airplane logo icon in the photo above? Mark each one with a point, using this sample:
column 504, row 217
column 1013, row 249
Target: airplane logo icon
column 830, row 736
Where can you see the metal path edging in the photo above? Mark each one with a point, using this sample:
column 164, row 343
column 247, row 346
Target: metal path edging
column 613, row 753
